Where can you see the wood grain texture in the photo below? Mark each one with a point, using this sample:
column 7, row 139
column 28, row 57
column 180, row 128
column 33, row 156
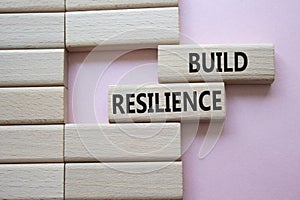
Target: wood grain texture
column 149, row 180
column 173, row 64
column 122, row 29
column 32, row 67
column 143, row 111
column 32, row 30
column 31, row 181
column 122, row 142
column 31, row 6
column 29, row 144
column 72, row 5
column 36, row 105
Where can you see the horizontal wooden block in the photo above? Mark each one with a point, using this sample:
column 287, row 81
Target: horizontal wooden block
column 173, row 102
column 32, row 30
column 72, row 5
column 122, row 29
column 31, row 5
column 149, row 180
column 122, row 142
column 31, row 181
column 37, row 105
column 33, row 67
column 28, row 144
column 234, row 64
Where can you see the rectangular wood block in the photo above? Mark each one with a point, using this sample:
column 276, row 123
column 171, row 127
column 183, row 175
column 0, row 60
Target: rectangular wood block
column 36, row 105
column 31, row 181
column 234, row 64
column 122, row 142
column 33, row 67
column 28, row 144
column 137, row 180
column 122, row 29
column 31, row 30
column 11, row 6
column 72, row 5
column 170, row 102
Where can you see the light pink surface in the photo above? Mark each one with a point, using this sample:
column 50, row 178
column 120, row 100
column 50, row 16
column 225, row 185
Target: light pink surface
column 258, row 154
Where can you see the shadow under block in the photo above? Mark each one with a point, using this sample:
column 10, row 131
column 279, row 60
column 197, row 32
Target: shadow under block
column 32, row 30
column 31, row 181
column 33, row 67
column 234, row 64
column 122, row 142
column 11, row 6
column 169, row 102
column 122, row 29
column 72, row 5
column 137, row 180
column 33, row 105
column 29, row 144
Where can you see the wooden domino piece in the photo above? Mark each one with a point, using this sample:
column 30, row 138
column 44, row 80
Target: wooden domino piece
column 31, row 181
column 136, row 180
column 172, row 102
column 13, row 6
column 33, row 68
column 122, row 29
column 33, row 105
column 122, row 142
column 32, row 30
column 234, row 64
column 29, row 144
column 72, row 5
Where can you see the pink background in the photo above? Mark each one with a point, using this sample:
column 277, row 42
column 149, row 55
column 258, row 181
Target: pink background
column 258, row 154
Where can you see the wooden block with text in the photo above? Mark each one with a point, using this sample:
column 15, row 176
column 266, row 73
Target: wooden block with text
column 234, row 64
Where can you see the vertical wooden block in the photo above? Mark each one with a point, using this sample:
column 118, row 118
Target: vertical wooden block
column 31, row 181
column 37, row 105
column 234, row 64
column 33, row 67
column 32, row 30
column 11, row 6
column 149, row 180
column 122, row 29
column 28, row 144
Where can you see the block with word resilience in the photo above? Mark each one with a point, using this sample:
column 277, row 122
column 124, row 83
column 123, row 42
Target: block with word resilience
column 122, row 142
column 166, row 102
column 122, row 29
column 234, row 64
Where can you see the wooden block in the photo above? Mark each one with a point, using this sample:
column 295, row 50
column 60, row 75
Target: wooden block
column 122, row 142
column 173, row 102
column 33, row 67
column 31, row 181
column 145, row 180
column 32, row 30
column 37, row 105
column 234, row 64
column 11, row 6
column 28, row 144
column 72, row 5
column 122, row 29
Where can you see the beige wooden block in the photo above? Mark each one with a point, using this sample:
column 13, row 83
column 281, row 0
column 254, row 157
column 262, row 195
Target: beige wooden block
column 122, row 142
column 37, row 105
column 32, row 30
column 234, row 64
column 11, row 6
column 28, row 144
column 33, row 67
column 137, row 180
column 170, row 102
column 31, row 181
column 122, row 29
column 72, row 5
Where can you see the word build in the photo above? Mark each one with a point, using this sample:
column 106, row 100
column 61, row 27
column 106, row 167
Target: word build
column 174, row 102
